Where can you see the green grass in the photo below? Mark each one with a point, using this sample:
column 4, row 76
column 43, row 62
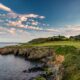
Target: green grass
column 56, row 43
column 70, row 50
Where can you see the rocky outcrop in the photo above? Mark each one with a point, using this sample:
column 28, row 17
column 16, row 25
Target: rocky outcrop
column 33, row 53
column 51, row 64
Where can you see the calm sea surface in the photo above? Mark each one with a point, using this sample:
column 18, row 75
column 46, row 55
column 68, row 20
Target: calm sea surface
column 12, row 68
column 2, row 44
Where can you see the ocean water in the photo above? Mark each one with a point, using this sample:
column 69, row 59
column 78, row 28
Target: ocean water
column 11, row 68
column 3, row 44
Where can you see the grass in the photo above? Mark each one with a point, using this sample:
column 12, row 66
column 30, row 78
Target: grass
column 56, row 43
column 70, row 50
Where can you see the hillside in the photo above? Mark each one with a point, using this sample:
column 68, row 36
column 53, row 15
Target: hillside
column 77, row 37
column 49, row 39
column 54, row 41
column 68, row 48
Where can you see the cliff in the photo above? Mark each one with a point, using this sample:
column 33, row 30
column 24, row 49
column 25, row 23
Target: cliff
column 46, row 55
column 29, row 53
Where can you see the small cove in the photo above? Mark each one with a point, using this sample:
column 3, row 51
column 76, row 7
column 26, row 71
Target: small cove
column 11, row 68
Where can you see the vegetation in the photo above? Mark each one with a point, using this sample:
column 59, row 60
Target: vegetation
column 54, row 38
column 54, row 41
column 57, row 43
column 67, row 47
column 75, row 37
column 39, row 78
column 71, row 63
column 49, row 39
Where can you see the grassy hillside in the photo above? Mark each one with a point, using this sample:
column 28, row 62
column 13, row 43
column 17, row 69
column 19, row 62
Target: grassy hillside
column 55, row 43
column 71, row 63
column 71, row 51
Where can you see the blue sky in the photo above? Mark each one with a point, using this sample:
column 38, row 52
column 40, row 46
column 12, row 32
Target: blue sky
column 23, row 20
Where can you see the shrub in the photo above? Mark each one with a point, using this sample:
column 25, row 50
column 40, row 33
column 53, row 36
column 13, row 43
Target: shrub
column 39, row 78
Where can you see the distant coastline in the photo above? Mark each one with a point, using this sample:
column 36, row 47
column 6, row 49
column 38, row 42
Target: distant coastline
column 3, row 44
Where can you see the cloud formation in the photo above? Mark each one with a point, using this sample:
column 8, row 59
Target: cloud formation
column 3, row 7
column 15, row 20
column 19, row 25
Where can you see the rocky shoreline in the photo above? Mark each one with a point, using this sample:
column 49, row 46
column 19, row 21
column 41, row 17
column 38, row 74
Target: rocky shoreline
column 51, row 68
column 34, row 53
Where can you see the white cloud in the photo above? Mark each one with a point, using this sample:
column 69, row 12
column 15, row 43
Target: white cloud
column 32, row 16
column 12, row 31
column 3, row 7
column 21, row 18
column 34, row 28
column 16, row 26
column 68, row 30
column 42, row 17
column 52, row 30
column 34, row 23
column 12, row 15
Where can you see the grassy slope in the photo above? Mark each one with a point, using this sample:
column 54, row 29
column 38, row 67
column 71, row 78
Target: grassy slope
column 71, row 51
column 57, row 43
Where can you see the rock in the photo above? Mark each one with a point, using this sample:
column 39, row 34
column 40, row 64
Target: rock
column 35, row 69
column 33, row 53
column 24, row 71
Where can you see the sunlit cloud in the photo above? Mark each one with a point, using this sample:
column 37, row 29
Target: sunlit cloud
column 18, row 25
column 12, row 31
column 42, row 17
column 34, row 23
column 3, row 7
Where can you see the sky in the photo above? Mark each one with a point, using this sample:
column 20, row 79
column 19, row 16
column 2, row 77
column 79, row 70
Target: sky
column 24, row 20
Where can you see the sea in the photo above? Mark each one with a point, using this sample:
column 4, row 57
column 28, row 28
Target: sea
column 3, row 44
column 14, row 67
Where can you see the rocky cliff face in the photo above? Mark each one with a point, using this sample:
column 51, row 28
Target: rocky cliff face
column 44, row 54
column 29, row 53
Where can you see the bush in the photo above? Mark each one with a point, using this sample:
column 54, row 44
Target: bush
column 39, row 78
